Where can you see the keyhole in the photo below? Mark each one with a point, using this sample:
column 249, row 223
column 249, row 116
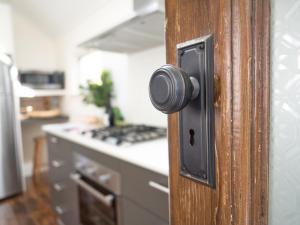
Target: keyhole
column 192, row 138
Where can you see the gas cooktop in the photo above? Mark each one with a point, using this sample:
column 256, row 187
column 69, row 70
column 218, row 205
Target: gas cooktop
column 126, row 134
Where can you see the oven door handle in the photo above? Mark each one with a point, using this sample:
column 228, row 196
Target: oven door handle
column 105, row 199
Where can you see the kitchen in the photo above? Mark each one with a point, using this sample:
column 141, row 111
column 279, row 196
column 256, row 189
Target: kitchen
column 143, row 112
column 81, row 157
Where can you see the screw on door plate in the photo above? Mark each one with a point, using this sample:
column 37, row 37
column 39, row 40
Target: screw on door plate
column 196, row 119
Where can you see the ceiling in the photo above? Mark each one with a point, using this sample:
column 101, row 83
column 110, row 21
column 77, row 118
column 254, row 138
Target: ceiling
column 57, row 17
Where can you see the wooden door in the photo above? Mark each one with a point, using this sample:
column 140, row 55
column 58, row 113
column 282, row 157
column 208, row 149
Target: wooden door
column 241, row 64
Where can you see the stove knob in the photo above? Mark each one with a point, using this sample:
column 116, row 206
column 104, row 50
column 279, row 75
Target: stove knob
column 171, row 89
column 104, row 178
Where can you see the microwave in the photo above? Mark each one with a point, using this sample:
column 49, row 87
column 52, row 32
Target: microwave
column 42, row 80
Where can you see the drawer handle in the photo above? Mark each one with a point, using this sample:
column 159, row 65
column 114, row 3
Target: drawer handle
column 60, row 210
column 59, row 187
column 57, row 164
column 53, row 140
column 158, row 187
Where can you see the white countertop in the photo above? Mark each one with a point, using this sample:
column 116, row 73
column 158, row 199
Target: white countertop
column 151, row 155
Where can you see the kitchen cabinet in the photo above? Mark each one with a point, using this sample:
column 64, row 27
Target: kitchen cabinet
column 145, row 188
column 144, row 194
column 63, row 190
column 134, row 214
column 98, row 157
column 60, row 159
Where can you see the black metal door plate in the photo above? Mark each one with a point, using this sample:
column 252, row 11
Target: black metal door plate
column 196, row 120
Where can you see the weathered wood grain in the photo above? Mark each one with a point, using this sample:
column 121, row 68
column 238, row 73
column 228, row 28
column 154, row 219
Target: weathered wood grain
column 241, row 34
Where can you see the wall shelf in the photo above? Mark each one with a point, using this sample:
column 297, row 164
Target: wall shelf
column 56, row 119
column 30, row 93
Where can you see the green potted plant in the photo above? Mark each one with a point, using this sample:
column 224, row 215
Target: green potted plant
column 100, row 94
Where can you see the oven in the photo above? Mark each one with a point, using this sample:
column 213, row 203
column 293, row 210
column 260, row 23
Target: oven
column 98, row 189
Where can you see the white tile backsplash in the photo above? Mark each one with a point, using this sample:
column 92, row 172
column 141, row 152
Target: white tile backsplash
column 140, row 68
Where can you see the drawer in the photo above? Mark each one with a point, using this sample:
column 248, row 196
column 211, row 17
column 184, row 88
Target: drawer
column 59, row 158
column 59, row 170
column 64, row 192
column 98, row 157
column 58, row 148
column 67, row 218
column 146, row 188
column 135, row 215
column 66, row 214
column 65, row 202
column 53, row 144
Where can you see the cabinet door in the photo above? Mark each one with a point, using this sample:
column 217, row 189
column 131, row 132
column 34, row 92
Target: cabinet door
column 146, row 188
column 63, row 190
column 136, row 215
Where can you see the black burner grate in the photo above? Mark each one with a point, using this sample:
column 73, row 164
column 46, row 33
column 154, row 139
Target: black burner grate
column 129, row 134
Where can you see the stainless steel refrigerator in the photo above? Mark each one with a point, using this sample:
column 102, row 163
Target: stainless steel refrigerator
column 11, row 182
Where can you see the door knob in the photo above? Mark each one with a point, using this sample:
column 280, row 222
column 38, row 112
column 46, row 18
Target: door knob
column 189, row 90
column 171, row 89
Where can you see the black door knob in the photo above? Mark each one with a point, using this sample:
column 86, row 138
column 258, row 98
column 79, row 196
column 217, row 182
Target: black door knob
column 171, row 89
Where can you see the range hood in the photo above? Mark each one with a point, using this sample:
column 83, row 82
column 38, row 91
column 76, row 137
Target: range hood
column 145, row 30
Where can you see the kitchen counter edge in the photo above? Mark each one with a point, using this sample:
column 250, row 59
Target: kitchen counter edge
column 131, row 154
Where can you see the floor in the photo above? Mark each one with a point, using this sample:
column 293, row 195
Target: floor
column 30, row 208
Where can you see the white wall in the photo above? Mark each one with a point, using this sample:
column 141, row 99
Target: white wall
column 131, row 74
column 6, row 33
column 139, row 108
column 117, row 64
column 110, row 15
column 131, row 83
column 33, row 48
column 37, row 51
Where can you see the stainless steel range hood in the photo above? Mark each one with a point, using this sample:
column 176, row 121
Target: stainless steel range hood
column 143, row 31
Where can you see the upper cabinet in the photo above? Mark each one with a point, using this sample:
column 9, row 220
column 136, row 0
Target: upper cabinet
column 144, row 30
column 6, row 34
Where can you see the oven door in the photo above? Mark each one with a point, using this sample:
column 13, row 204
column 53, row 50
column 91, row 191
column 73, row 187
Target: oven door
column 97, row 206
